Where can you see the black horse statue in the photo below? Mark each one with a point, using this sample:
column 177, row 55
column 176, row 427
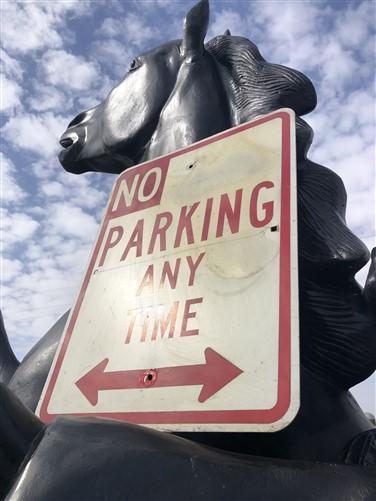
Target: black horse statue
column 172, row 96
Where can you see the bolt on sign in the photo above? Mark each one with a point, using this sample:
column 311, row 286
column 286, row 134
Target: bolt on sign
column 187, row 318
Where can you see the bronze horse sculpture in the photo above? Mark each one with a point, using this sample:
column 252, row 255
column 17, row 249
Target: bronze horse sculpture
column 173, row 96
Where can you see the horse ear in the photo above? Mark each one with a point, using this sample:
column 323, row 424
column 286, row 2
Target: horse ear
column 227, row 33
column 195, row 28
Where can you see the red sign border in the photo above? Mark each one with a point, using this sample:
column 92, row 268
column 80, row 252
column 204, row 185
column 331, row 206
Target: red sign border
column 259, row 416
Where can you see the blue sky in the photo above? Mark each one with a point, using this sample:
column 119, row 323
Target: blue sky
column 59, row 58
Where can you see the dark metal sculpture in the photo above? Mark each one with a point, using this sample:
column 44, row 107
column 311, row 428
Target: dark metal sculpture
column 172, row 96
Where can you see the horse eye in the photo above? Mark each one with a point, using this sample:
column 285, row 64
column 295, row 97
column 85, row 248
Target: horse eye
column 136, row 63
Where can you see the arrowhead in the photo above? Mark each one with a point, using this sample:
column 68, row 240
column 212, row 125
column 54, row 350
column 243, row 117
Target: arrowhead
column 219, row 372
column 89, row 384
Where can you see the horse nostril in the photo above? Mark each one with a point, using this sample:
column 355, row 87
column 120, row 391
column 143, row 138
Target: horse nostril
column 78, row 119
column 68, row 139
column 66, row 142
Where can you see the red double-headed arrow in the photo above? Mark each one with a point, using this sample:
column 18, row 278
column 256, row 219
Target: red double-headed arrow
column 213, row 375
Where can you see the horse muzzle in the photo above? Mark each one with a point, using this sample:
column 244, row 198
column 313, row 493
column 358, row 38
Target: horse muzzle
column 69, row 156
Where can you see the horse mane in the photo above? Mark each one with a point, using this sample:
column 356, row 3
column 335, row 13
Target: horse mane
column 258, row 87
column 336, row 342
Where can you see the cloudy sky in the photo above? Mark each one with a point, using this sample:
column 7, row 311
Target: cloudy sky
column 61, row 57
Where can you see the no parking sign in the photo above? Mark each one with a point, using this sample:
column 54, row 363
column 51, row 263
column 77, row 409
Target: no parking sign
column 187, row 319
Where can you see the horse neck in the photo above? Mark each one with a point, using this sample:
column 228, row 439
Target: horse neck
column 197, row 108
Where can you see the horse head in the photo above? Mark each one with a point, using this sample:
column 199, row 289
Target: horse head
column 179, row 93
column 112, row 136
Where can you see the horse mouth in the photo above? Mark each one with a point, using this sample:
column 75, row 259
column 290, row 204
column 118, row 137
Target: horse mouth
column 71, row 158
column 65, row 143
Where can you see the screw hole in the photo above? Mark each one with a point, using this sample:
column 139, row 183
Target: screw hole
column 192, row 165
column 150, row 377
column 274, row 228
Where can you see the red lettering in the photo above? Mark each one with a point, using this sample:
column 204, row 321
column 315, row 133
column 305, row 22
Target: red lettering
column 185, row 223
column 163, row 323
column 124, row 194
column 147, row 281
column 149, row 185
column 133, row 314
column 188, row 315
column 193, row 267
column 232, row 214
column 145, row 313
column 167, row 272
column 145, row 325
column 111, row 243
column 207, row 216
column 158, row 322
column 160, row 230
column 135, row 240
column 268, row 207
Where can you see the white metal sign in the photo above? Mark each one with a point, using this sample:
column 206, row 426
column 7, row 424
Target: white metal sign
column 187, row 318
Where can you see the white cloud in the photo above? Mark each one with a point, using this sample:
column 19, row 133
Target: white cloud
column 336, row 63
column 49, row 98
column 136, row 29
column 114, row 55
column 73, row 221
column 111, row 28
column 10, row 65
column 228, row 19
column 47, row 288
column 352, row 26
column 336, row 48
column 343, row 145
column 16, row 227
column 10, row 268
column 53, row 189
column 10, row 190
column 370, row 242
column 29, row 26
column 96, row 95
column 73, row 261
column 38, row 26
column 80, row 190
column 36, row 300
column 361, row 213
column 76, row 190
column 311, row 36
column 41, row 169
column 365, row 394
column 77, row 74
column 10, row 94
column 36, row 210
column 38, row 133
